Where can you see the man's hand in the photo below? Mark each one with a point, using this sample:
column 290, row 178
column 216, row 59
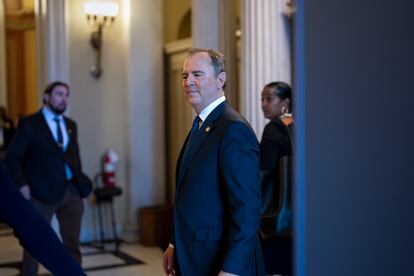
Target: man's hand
column 25, row 191
column 168, row 261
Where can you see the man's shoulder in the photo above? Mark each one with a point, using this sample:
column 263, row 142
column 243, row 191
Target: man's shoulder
column 233, row 123
column 69, row 120
column 31, row 118
column 230, row 116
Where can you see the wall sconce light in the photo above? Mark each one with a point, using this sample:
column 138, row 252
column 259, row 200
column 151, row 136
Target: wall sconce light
column 99, row 14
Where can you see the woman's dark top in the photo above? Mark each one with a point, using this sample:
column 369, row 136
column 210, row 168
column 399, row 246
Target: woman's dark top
column 275, row 143
column 277, row 250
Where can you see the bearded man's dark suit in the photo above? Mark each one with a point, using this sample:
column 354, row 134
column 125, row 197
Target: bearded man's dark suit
column 34, row 158
column 217, row 199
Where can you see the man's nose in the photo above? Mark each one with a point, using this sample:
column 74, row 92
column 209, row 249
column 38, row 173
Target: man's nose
column 190, row 80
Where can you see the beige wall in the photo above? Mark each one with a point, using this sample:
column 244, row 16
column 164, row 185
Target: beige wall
column 123, row 109
column 99, row 106
column 28, row 3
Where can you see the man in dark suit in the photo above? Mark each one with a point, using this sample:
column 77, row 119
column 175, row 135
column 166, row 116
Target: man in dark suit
column 217, row 198
column 43, row 160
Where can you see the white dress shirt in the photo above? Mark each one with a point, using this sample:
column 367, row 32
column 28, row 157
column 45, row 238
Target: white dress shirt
column 49, row 117
column 207, row 110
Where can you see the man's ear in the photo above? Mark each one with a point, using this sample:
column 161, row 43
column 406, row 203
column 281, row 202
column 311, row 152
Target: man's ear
column 221, row 78
column 46, row 98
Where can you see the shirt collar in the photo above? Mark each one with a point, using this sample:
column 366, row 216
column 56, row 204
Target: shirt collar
column 206, row 111
column 49, row 114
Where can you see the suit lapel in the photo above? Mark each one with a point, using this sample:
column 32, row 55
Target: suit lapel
column 48, row 133
column 44, row 127
column 185, row 160
column 69, row 129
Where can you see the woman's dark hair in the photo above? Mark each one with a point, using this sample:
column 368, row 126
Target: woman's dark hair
column 49, row 88
column 282, row 90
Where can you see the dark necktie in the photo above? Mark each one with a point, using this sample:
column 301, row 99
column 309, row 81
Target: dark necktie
column 194, row 129
column 59, row 139
column 196, row 125
column 193, row 132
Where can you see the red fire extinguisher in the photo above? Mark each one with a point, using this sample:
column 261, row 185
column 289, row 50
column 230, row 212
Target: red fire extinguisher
column 109, row 159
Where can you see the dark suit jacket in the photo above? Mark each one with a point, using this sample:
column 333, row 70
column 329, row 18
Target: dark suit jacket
column 34, row 158
column 33, row 231
column 217, row 200
column 8, row 131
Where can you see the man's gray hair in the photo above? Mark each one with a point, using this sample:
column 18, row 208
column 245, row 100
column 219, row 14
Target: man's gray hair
column 218, row 60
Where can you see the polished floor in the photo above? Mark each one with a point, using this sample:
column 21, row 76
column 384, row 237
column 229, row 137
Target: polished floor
column 132, row 259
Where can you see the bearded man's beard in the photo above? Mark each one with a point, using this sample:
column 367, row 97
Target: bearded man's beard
column 57, row 111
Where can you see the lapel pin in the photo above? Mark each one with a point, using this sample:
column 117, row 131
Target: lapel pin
column 207, row 129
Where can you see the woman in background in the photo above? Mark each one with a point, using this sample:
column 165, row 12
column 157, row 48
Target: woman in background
column 275, row 146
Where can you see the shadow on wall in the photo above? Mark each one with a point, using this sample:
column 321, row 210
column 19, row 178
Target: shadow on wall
column 184, row 30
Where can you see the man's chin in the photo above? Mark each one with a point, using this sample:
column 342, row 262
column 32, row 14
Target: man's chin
column 192, row 99
column 58, row 111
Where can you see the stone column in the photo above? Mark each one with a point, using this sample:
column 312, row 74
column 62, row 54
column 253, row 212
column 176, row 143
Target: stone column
column 51, row 35
column 214, row 26
column 265, row 53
